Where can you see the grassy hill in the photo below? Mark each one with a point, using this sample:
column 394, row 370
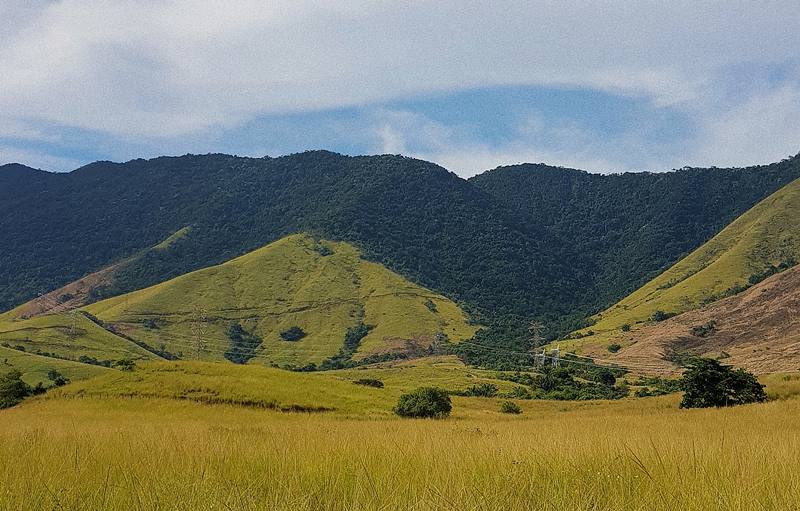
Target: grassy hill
column 324, row 289
column 764, row 240
column 758, row 329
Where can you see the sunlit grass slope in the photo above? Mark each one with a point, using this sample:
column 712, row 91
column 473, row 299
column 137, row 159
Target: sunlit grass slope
column 264, row 387
column 323, row 287
column 320, row 286
column 83, row 450
column 68, row 336
column 768, row 234
column 35, row 367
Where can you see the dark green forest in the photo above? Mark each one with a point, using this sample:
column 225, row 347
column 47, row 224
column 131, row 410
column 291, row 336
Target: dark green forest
column 511, row 245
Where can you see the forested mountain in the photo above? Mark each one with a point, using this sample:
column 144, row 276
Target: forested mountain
column 411, row 215
column 513, row 244
column 624, row 229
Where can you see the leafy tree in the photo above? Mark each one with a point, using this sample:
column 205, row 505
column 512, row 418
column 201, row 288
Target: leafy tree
column 707, row 383
column 12, row 389
column 614, row 347
column 607, row 378
column 424, row 402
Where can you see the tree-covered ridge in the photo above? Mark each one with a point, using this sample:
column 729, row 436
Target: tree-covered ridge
column 623, row 229
column 513, row 244
column 411, row 215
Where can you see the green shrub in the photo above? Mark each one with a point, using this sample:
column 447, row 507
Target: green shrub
column 510, row 407
column 660, row 315
column 481, row 390
column 519, row 393
column 293, row 334
column 425, row 402
column 614, row 347
column 705, row 330
column 626, row 327
column 125, row 364
column 369, row 382
column 707, row 383
column 57, row 378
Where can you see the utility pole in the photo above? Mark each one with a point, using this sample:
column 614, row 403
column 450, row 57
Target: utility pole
column 535, row 340
column 198, row 328
column 73, row 324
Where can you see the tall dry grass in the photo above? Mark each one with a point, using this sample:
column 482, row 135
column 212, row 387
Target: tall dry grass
column 160, row 454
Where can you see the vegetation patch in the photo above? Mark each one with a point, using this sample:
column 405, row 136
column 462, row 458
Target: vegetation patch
column 424, row 402
column 704, row 330
column 13, row 390
column 243, row 345
column 369, row 382
column 352, row 340
column 293, row 334
column 510, row 407
column 707, row 383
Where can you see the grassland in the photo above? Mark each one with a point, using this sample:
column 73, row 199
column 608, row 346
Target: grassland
column 768, row 234
column 83, row 449
column 323, row 287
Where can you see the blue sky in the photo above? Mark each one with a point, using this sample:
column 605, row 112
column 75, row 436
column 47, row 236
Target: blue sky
column 605, row 86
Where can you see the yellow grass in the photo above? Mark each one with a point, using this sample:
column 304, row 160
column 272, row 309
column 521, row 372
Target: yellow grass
column 96, row 452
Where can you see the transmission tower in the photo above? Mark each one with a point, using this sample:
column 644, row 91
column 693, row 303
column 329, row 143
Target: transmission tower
column 198, row 327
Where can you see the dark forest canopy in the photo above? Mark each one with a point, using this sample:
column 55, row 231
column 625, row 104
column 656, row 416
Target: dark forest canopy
column 513, row 244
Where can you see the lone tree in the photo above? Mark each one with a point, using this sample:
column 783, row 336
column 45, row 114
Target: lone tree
column 426, row 402
column 708, row 383
column 13, row 389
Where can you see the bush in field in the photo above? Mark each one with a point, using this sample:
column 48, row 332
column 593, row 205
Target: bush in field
column 125, row 364
column 293, row 334
column 57, row 378
column 614, row 347
column 426, row 402
column 510, row 407
column 482, row 390
column 369, row 382
column 708, row 383
column 12, row 389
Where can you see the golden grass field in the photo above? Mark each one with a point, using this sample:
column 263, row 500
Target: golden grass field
column 74, row 449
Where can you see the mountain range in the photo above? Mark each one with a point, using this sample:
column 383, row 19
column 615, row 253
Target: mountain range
column 512, row 245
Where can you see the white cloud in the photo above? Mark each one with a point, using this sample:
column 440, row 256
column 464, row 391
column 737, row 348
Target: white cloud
column 152, row 69
column 415, row 135
column 763, row 129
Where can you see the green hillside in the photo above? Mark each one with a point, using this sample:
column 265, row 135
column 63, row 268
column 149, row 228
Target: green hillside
column 324, row 290
column 764, row 240
column 512, row 245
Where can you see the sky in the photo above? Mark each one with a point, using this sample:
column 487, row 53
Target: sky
column 606, row 86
